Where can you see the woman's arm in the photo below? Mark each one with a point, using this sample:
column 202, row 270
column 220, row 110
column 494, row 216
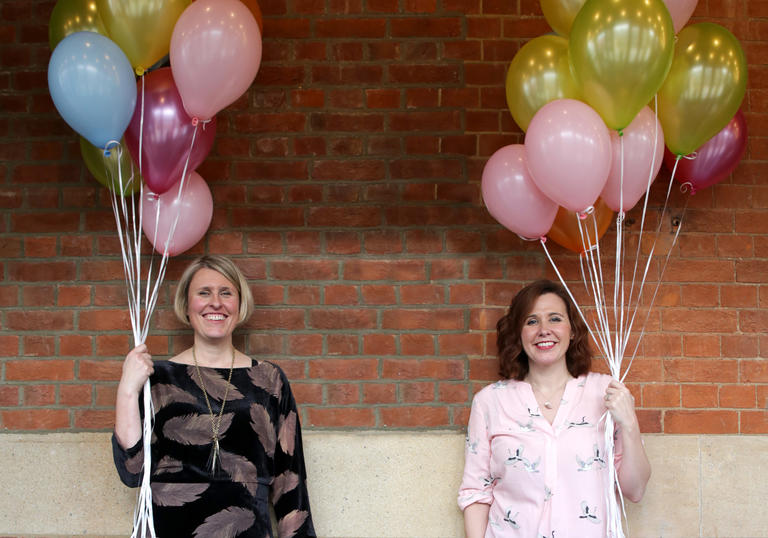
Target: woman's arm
column 137, row 367
column 476, row 520
column 635, row 469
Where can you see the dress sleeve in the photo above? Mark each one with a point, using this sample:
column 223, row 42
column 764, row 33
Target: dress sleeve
column 289, row 490
column 477, row 482
column 128, row 462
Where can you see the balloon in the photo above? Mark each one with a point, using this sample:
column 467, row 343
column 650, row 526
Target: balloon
column 111, row 169
column 565, row 230
column 253, row 5
column 192, row 211
column 70, row 16
column 680, row 11
column 93, row 87
column 511, row 196
column 620, row 53
column 215, row 54
column 142, row 28
column 704, row 88
column 568, row 149
column 166, row 142
column 560, row 14
column 643, row 154
column 539, row 73
column 716, row 159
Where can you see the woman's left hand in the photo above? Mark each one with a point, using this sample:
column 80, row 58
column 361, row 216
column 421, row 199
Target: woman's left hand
column 621, row 404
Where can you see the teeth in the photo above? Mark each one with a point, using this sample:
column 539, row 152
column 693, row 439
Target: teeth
column 545, row 345
column 214, row 317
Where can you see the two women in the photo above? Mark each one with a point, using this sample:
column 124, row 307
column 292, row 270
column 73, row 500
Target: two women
column 535, row 460
column 226, row 441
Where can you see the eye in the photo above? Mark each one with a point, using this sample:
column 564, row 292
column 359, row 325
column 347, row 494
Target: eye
column 226, row 293
column 531, row 321
column 556, row 319
column 202, row 292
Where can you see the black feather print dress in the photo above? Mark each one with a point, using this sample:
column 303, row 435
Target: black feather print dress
column 260, row 452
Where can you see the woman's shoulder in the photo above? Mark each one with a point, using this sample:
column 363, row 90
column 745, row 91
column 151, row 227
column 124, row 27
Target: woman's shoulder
column 492, row 390
column 596, row 380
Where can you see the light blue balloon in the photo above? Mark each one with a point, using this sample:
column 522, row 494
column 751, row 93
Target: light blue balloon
column 93, row 86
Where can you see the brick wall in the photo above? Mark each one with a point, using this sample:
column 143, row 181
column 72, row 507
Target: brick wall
column 346, row 185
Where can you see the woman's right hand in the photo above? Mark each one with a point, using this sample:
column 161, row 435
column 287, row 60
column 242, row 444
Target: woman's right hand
column 137, row 368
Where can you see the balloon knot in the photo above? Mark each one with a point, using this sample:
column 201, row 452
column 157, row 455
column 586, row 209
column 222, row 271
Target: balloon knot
column 195, row 121
column 693, row 190
column 582, row 214
column 543, row 239
column 140, row 71
column 621, row 132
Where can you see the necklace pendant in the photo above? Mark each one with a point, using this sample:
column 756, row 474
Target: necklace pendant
column 214, row 460
column 548, row 405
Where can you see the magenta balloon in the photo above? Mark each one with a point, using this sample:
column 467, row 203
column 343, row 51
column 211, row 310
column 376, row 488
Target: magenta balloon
column 680, row 11
column 215, row 54
column 193, row 208
column 167, row 139
column 512, row 197
column 643, row 141
column 568, row 149
column 716, row 159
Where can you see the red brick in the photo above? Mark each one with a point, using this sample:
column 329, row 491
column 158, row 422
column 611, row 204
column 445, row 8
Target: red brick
column 331, row 417
column 701, row 422
column 305, row 344
column 743, row 396
column 703, row 396
column 411, row 417
column 422, row 368
column 307, row 393
column 35, row 419
column 379, row 393
column 39, row 370
column 342, row 393
column 76, row 395
column 94, row 419
column 343, row 369
column 39, row 395
column 661, row 395
column 417, row 344
column 754, row 422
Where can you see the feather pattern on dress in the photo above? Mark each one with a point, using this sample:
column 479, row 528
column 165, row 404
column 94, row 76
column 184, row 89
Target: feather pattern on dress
column 164, row 394
column 226, row 524
column 284, row 483
column 168, row 465
column 287, row 435
column 195, row 429
column 262, row 425
column 291, row 523
column 215, row 384
column 267, row 377
column 240, row 470
column 135, row 463
column 172, row 494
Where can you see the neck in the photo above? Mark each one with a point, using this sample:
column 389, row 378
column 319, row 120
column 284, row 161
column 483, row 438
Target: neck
column 214, row 354
column 548, row 379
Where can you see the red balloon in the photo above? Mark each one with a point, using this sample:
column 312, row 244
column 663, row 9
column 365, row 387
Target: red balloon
column 715, row 159
column 168, row 131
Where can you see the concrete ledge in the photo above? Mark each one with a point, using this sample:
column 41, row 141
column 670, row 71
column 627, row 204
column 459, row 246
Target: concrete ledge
column 386, row 485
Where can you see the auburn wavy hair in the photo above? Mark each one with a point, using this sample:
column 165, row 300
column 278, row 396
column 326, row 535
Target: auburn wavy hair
column 513, row 362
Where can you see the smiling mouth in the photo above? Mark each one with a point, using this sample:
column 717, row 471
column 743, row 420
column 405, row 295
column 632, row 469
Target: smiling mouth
column 545, row 345
column 214, row 317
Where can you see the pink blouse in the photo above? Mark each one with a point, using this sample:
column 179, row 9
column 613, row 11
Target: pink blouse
column 541, row 479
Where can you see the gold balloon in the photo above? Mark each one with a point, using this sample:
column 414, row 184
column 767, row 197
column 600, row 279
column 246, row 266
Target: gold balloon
column 70, row 16
column 704, row 88
column 620, row 53
column 141, row 28
column 539, row 73
column 560, row 14
column 106, row 168
column 565, row 230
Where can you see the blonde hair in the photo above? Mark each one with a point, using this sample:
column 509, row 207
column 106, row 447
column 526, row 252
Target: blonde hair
column 226, row 268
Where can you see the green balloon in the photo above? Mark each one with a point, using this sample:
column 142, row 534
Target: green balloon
column 704, row 88
column 70, row 16
column 110, row 170
column 620, row 54
column 539, row 73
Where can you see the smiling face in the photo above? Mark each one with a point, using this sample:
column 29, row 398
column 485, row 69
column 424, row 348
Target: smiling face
column 214, row 304
column 546, row 331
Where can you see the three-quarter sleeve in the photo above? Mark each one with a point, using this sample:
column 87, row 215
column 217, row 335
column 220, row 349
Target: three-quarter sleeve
column 477, row 482
column 128, row 462
column 289, row 489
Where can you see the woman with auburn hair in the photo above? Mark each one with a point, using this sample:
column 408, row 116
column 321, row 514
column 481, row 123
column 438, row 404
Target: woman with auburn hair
column 226, row 441
column 535, row 456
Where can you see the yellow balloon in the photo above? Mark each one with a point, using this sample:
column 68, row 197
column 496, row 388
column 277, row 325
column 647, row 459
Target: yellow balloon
column 70, row 16
column 560, row 14
column 704, row 88
column 141, row 28
column 539, row 73
column 111, row 169
column 620, row 53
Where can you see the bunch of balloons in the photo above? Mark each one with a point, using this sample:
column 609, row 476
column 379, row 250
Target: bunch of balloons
column 598, row 103
column 164, row 123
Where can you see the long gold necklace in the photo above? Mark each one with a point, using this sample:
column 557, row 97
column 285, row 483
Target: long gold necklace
column 215, row 421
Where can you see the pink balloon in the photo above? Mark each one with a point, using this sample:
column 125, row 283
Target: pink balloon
column 215, row 55
column 680, row 11
column 512, row 197
column 167, row 142
column 568, row 148
column 716, row 159
column 643, row 154
column 193, row 209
